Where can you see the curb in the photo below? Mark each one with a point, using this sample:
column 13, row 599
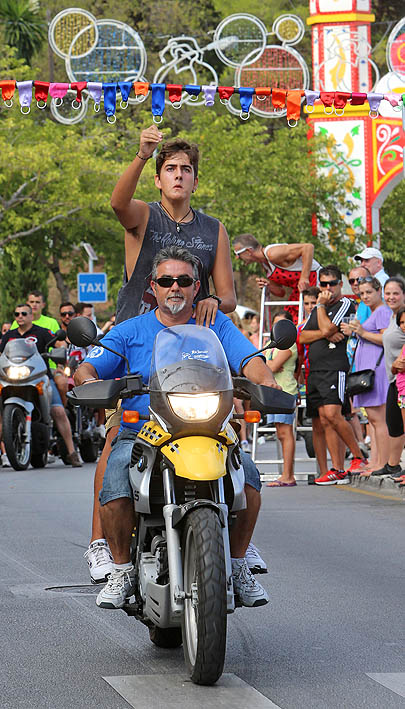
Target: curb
column 379, row 483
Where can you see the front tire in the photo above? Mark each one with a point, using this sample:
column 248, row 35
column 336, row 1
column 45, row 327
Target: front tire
column 205, row 613
column 39, row 460
column 17, row 449
column 89, row 450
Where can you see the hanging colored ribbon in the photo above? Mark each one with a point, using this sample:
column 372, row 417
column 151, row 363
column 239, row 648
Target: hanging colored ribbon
column 95, row 89
column 278, row 99
column 110, row 101
column 125, row 89
column 225, row 93
column 246, row 98
column 41, row 92
column 262, row 92
column 340, row 101
column 209, row 94
column 175, row 91
column 374, row 101
column 358, row 99
column 58, row 91
column 158, row 101
column 78, row 86
column 310, row 98
column 141, row 88
column 394, row 99
column 193, row 91
column 7, row 91
column 293, row 107
column 25, row 94
column 327, row 98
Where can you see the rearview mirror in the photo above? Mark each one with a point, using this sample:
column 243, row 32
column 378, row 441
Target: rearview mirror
column 283, row 334
column 82, row 332
column 60, row 335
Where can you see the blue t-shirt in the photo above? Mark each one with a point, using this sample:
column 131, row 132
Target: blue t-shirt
column 135, row 337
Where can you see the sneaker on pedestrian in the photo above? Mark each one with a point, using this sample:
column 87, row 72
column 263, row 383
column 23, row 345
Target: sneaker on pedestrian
column 245, row 446
column 346, row 480
column 331, row 477
column 393, row 470
column 5, row 461
column 357, row 466
column 119, row 587
column 364, row 448
column 100, row 561
column 74, row 460
column 254, row 561
column 248, row 591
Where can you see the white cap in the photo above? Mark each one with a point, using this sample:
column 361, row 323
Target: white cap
column 369, row 252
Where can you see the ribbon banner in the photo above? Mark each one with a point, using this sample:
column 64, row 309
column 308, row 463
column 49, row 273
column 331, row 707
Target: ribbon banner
column 333, row 102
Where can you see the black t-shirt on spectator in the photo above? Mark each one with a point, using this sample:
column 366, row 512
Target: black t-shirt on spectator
column 38, row 335
column 325, row 355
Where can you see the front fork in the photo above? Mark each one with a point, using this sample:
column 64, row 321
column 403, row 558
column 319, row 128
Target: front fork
column 173, row 538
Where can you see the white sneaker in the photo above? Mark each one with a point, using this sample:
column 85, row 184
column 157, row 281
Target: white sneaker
column 100, row 430
column 254, row 561
column 5, row 461
column 248, row 591
column 119, row 587
column 100, row 561
column 245, row 446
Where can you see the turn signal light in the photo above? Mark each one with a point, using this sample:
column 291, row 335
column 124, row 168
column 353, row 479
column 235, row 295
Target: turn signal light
column 252, row 416
column 40, row 388
column 130, row 416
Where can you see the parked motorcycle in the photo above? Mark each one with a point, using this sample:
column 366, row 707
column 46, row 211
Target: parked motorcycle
column 25, row 399
column 187, row 482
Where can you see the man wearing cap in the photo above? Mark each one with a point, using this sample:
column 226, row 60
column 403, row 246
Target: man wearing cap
column 373, row 259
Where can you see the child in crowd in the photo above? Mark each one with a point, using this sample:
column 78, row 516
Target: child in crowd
column 400, row 377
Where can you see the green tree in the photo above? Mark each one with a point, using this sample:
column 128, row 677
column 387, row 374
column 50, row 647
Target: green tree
column 23, row 26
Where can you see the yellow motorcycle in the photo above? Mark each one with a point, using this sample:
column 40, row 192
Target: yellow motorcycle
column 187, row 482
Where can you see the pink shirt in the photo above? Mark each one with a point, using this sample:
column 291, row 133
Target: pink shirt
column 400, row 378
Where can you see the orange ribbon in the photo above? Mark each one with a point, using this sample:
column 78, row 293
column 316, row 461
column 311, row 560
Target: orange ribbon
column 262, row 91
column 7, row 89
column 294, row 105
column 141, row 88
column 278, row 97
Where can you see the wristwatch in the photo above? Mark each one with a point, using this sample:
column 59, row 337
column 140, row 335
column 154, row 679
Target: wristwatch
column 219, row 301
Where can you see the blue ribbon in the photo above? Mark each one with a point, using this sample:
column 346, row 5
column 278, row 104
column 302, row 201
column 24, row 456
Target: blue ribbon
column 246, row 98
column 158, row 99
column 192, row 89
column 125, row 88
column 110, row 99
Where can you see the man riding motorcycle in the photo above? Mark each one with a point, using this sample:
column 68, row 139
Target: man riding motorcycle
column 175, row 284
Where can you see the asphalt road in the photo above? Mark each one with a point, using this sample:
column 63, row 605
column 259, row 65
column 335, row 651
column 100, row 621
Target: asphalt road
column 336, row 615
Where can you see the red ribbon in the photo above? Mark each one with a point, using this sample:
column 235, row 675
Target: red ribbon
column 225, row 92
column 174, row 91
column 79, row 86
column 41, row 90
column 278, row 97
column 327, row 98
column 7, row 89
column 358, row 99
column 341, row 99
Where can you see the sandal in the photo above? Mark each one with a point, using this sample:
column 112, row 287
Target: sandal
column 280, row 483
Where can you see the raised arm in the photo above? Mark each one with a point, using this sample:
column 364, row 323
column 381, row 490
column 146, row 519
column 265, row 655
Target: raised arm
column 222, row 275
column 133, row 213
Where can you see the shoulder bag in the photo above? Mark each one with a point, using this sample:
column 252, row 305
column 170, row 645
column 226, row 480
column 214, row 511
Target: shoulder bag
column 362, row 381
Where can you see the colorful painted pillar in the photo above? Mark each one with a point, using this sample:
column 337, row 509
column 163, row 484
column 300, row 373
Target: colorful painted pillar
column 341, row 44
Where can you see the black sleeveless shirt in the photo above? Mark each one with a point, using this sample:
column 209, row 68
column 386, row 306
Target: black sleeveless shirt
column 200, row 237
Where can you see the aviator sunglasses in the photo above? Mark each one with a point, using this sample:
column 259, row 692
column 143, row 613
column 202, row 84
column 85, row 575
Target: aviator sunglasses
column 20, row 312
column 182, row 281
column 325, row 284
column 67, row 313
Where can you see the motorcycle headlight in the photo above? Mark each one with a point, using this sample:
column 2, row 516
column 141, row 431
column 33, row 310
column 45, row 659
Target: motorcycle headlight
column 194, row 407
column 17, row 372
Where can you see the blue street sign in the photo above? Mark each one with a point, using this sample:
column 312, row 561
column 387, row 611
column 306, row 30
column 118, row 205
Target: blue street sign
column 92, row 287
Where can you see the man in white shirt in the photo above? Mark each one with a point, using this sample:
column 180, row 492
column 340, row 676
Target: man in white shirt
column 373, row 259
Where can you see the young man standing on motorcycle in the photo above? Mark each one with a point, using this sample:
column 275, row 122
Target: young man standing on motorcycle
column 134, row 339
column 148, row 228
column 26, row 329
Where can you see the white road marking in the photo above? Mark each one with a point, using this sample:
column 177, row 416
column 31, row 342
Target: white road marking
column 177, row 692
column 395, row 681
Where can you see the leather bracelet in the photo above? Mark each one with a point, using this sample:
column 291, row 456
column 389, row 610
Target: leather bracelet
column 219, row 301
column 141, row 158
column 91, row 379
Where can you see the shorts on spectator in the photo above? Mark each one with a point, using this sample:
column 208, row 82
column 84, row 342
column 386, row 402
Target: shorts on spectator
column 393, row 415
column 325, row 387
column 55, row 400
column 281, row 418
column 113, row 417
column 116, row 478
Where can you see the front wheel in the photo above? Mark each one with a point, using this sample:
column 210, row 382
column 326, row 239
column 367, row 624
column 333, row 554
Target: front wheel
column 205, row 611
column 17, row 448
column 88, row 450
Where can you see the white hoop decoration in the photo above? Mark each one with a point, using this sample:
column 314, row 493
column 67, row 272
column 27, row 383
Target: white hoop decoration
column 25, row 113
column 239, row 36
column 76, row 104
column 339, row 111
column 244, row 116
column 58, row 101
column 111, row 119
column 193, row 98
column 328, row 113
column 41, row 107
column 176, row 105
column 224, row 101
column 289, row 29
column 155, row 120
column 396, row 49
column 292, row 122
column 97, row 107
column 261, row 98
column 8, row 104
column 373, row 114
column 64, row 113
column 123, row 105
column 310, row 106
column 65, row 27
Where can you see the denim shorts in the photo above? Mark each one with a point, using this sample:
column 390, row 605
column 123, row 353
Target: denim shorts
column 56, row 400
column 116, row 478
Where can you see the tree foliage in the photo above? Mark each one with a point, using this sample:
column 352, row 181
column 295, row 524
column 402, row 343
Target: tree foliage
column 23, row 26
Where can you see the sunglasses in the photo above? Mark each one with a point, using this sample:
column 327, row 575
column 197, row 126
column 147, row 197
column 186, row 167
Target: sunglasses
column 67, row 313
column 366, row 279
column 20, row 312
column 240, row 251
column 354, row 280
column 182, row 281
column 325, row 284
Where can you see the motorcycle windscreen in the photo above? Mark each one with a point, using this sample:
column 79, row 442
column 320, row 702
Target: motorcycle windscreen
column 189, row 359
column 20, row 350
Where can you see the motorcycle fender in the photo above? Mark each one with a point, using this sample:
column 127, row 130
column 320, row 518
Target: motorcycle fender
column 140, row 481
column 28, row 406
column 197, row 457
column 180, row 512
column 237, row 476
